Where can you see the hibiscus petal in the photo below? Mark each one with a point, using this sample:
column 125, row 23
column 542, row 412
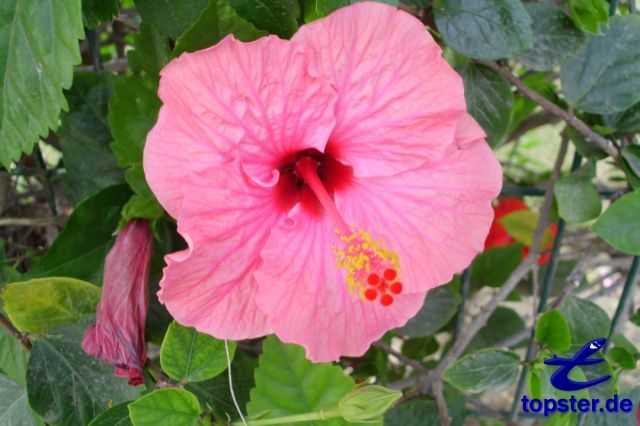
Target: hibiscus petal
column 225, row 219
column 256, row 101
column 398, row 100
column 307, row 299
column 436, row 217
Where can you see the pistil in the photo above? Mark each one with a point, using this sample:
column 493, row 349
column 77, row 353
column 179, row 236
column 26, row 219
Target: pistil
column 307, row 169
column 372, row 270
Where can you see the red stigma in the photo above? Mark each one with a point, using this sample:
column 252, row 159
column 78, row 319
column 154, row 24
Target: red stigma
column 390, row 274
column 371, row 294
column 373, row 279
column 396, row 288
column 386, row 300
column 382, row 287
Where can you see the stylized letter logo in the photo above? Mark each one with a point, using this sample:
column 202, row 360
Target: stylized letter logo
column 560, row 379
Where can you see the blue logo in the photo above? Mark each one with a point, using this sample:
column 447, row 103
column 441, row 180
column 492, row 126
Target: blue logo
column 560, row 379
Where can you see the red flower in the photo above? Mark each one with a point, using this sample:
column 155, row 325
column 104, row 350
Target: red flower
column 117, row 337
column 499, row 236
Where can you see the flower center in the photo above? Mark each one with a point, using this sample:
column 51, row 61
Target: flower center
column 372, row 270
column 291, row 188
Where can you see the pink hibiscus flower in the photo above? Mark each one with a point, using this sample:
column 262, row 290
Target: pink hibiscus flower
column 323, row 184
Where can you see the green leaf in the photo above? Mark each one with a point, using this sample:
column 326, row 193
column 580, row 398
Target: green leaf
column 440, row 305
column 619, row 340
column 218, row 20
column 587, row 321
column 65, row 385
column 502, row 324
column 414, row 413
column 632, row 178
column 133, row 110
column 44, row 303
column 631, row 156
column 287, row 383
column 170, row 17
column 14, row 406
column 13, row 358
column 602, row 77
column 555, row 38
column 539, row 381
column 275, row 16
column 38, row 48
column 189, row 356
column 80, row 249
column 622, row 357
column 166, row 407
column 583, row 146
column 490, row 369
column 419, row 347
column 489, row 99
column 627, row 121
column 578, row 199
column 142, row 207
column 492, row 267
column 484, row 29
column 619, row 226
column 150, row 52
column 215, row 392
column 84, row 136
column 589, row 14
column 422, row 411
column 315, row 9
column 96, row 11
column 114, row 416
column 521, row 225
column 552, row 331
column 619, row 418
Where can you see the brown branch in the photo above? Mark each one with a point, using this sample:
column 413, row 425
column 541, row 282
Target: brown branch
column 117, row 65
column 402, row 358
column 32, row 221
column 602, row 142
column 443, row 411
column 22, row 338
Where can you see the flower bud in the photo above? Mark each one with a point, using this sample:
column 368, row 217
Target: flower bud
column 117, row 337
column 367, row 403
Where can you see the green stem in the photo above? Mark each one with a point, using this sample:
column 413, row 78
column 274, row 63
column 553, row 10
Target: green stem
column 626, row 293
column 296, row 418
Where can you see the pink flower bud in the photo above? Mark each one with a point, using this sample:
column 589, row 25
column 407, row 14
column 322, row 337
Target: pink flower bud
column 117, row 337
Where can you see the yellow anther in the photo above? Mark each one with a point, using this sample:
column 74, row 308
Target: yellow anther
column 359, row 256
